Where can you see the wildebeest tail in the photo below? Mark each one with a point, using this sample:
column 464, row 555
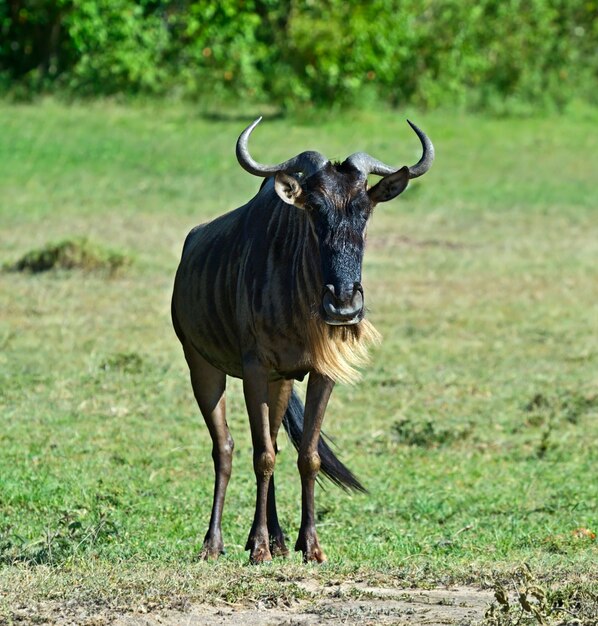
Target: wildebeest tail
column 330, row 466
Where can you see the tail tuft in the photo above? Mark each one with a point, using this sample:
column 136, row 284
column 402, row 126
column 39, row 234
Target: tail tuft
column 330, row 466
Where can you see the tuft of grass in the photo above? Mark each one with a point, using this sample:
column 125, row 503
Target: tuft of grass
column 73, row 533
column 429, row 434
column 571, row 405
column 126, row 362
column 523, row 598
column 70, row 254
column 547, row 410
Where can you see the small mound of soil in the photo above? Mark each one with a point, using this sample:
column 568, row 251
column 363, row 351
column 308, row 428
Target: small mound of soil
column 70, row 254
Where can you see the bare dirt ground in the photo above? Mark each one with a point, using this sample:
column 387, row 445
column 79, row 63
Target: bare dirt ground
column 337, row 605
column 348, row 603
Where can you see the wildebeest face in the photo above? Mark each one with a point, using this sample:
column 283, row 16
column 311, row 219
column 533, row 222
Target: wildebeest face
column 339, row 205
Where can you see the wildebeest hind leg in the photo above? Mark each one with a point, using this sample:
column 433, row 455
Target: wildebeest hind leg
column 277, row 543
column 279, row 393
column 255, row 389
column 209, row 386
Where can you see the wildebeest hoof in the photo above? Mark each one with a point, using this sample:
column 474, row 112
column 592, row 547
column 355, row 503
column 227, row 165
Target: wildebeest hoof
column 278, row 547
column 260, row 554
column 211, row 551
column 310, row 546
column 316, row 555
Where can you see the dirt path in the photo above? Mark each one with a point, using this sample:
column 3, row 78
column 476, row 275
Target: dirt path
column 342, row 604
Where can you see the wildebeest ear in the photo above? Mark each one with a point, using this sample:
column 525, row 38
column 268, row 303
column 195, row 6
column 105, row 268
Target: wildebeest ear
column 288, row 189
column 390, row 186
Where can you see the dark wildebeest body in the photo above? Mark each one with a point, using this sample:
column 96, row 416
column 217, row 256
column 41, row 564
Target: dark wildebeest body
column 269, row 293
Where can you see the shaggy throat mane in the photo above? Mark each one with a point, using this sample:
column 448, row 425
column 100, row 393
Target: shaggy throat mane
column 336, row 351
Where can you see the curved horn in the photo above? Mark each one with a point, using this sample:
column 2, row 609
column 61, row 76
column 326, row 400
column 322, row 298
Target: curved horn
column 427, row 158
column 369, row 165
column 306, row 162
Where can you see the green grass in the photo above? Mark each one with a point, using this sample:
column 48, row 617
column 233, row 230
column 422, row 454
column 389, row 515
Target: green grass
column 475, row 427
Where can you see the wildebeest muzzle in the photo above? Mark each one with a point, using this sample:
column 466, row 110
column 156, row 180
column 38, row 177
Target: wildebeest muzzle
column 343, row 308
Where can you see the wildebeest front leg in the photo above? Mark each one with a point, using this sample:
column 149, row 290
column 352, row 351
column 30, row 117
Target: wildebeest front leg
column 319, row 389
column 209, row 385
column 255, row 388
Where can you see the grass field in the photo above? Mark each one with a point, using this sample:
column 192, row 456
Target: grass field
column 475, row 428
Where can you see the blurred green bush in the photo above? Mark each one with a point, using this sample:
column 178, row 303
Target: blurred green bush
column 498, row 55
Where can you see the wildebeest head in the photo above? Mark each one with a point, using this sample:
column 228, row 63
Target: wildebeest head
column 339, row 203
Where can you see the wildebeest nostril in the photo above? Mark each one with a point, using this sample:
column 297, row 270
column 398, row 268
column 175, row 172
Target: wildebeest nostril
column 357, row 300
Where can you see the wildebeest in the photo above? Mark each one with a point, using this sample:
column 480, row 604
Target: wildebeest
column 271, row 292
